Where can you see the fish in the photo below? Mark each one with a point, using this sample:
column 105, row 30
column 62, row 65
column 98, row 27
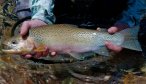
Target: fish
column 71, row 40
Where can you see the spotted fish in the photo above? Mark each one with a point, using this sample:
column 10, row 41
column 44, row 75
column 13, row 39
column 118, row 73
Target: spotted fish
column 71, row 40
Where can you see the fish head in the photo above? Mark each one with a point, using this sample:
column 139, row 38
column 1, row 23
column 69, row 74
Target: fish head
column 17, row 45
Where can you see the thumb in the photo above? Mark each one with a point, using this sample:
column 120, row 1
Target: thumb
column 24, row 28
column 112, row 30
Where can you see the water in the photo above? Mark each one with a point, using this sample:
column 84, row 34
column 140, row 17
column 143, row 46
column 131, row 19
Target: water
column 118, row 69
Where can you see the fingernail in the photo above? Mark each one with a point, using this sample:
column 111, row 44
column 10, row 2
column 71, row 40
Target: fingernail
column 53, row 53
column 109, row 30
column 28, row 56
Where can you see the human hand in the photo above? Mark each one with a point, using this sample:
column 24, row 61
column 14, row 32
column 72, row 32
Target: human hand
column 116, row 28
column 26, row 25
column 36, row 54
column 23, row 32
column 39, row 54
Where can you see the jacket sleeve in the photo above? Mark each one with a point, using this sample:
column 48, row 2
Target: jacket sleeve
column 136, row 10
column 43, row 10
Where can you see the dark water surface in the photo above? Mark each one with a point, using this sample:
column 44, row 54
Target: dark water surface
column 120, row 69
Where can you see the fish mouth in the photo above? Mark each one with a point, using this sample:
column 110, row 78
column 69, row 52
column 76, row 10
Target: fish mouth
column 9, row 50
column 6, row 47
column 13, row 49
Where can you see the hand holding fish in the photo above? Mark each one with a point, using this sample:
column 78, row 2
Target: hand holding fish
column 26, row 25
column 23, row 32
column 118, row 27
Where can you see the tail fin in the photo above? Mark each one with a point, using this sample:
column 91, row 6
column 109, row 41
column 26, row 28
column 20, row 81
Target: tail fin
column 131, row 38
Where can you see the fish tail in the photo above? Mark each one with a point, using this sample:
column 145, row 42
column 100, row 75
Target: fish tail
column 131, row 38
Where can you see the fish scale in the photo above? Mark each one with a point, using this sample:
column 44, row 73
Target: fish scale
column 64, row 34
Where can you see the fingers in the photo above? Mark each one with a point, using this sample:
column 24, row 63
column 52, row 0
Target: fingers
column 52, row 54
column 108, row 44
column 112, row 47
column 26, row 25
column 40, row 54
column 46, row 52
column 26, row 56
column 24, row 28
column 112, row 30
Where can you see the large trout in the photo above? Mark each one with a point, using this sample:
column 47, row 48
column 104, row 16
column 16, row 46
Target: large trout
column 69, row 39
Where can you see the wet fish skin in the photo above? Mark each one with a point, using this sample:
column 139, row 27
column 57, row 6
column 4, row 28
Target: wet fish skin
column 68, row 39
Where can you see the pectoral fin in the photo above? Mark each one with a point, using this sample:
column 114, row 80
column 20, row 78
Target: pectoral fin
column 40, row 48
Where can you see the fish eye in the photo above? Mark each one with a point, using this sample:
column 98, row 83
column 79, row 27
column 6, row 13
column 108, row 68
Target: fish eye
column 14, row 42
